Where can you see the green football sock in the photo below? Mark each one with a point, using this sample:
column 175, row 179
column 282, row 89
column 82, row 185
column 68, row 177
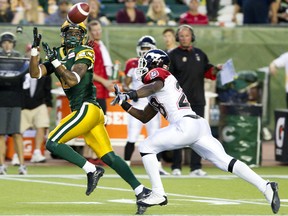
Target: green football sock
column 66, row 152
column 120, row 166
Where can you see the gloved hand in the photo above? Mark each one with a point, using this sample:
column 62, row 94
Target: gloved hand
column 36, row 38
column 51, row 54
column 120, row 97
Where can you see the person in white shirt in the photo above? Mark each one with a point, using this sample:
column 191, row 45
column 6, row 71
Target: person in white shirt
column 281, row 62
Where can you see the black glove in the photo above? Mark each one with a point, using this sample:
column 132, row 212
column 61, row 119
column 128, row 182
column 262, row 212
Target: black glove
column 51, row 54
column 36, row 38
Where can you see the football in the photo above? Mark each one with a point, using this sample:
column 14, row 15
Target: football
column 78, row 13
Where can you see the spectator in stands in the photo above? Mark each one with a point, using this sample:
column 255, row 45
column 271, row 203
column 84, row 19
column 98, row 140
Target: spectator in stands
column 169, row 39
column 6, row 14
column 282, row 11
column 159, row 14
column 11, row 96
column 256, row 12
column 130, row 14
column 96, row 14
column 212, row 7
column 192, row 16
column 29, row 12
column 59, row 17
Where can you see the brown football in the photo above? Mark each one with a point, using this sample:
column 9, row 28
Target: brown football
column 78, row 13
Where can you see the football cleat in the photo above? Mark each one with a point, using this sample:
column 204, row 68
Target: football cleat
column 93, row 178
column 153, row 199
column 271, row 195
column 145, row 193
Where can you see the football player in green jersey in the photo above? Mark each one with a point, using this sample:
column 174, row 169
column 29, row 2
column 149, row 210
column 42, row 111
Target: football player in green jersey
column 72, row 63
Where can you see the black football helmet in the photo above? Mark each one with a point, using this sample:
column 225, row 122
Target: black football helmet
column 154, row 58
column 145, row 42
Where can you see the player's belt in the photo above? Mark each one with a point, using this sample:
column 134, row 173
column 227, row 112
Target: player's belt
column 193, row 116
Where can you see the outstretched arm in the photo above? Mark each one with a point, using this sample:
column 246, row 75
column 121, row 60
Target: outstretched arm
column 74, row 76
column 71, row 78
column 142, row 115
column 36, row 70
column 146, row 90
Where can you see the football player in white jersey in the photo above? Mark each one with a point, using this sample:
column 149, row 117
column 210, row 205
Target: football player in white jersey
column 166, row 96
column 144, row 44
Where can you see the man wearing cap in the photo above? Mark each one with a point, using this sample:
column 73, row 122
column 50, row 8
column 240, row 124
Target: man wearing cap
column 10, row 105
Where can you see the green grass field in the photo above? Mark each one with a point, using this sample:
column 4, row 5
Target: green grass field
column 61, row 191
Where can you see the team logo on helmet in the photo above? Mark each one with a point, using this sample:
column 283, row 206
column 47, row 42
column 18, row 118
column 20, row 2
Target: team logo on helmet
column 152, row 59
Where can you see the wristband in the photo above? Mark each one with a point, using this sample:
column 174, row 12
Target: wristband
column 132, row 95
column 40, row 72
column 56, row 63
column 34, row 51
column 77, row 76
column 126, row 106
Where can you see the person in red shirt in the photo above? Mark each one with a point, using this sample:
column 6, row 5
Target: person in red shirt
column 192, row 16
column 102, row 66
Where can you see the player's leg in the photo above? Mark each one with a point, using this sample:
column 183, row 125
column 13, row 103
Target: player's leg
column 211, row 149
column 152, row 126
column 195, row 159
column 167, row 138
column 77, row 123
column 133, row 128
column 99, row 141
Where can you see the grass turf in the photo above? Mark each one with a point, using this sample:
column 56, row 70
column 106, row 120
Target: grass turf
column 60, row 190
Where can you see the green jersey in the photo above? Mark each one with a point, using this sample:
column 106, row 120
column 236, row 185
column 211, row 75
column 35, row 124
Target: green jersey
column 85, row 90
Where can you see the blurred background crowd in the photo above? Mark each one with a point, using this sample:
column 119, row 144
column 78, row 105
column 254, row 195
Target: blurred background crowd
column 150, row 12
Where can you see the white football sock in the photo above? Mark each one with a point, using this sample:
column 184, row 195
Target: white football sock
column 128, row 162
column 89, row 167
column 243, row 171
column 138, row 189
column 151, row 166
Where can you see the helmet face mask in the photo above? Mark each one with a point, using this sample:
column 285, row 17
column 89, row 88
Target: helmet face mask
column 154, row 58
column 73, row 34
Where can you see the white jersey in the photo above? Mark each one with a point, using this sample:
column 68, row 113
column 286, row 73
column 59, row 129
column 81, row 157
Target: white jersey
column 282, row 62
column 173, row 105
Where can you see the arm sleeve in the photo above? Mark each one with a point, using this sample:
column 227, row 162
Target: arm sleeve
column 281, row 61
column 49, row 67
column 208, row 69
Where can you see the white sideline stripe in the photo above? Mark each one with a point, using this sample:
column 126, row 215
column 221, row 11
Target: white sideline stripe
column 60, row 203
column 81, row 176
column 127, row 190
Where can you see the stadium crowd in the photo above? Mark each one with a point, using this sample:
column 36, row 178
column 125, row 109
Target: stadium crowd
column 153, row 12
